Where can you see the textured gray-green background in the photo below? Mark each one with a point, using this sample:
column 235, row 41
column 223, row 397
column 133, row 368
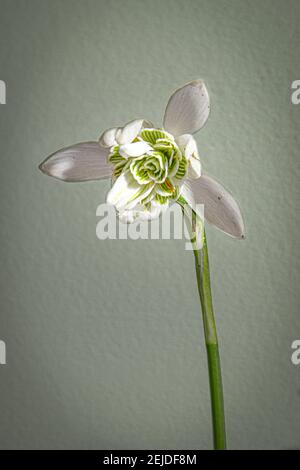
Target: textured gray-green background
column 104, row 339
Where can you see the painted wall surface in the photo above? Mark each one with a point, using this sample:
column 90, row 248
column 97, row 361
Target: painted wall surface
column 104, row 339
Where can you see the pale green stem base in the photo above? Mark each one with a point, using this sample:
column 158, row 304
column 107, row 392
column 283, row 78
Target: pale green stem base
column 210, row 332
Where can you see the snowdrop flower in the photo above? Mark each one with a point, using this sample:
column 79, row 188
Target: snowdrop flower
column 151, row 167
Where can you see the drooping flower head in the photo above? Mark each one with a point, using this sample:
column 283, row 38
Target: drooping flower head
column 151, row 167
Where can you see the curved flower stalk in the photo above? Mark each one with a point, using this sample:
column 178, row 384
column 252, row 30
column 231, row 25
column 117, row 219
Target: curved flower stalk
column 150, row 169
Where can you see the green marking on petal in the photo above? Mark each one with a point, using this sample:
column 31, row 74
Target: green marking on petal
column 165, row 189
column 152, row 135
column 151, row 167
column 161, row 199
column 176, row 193
column 121, row 167
column 142, row 191
column 182, row 169
column 149, row 198
column 156, row 174
column 114, row 159
column 120, row 163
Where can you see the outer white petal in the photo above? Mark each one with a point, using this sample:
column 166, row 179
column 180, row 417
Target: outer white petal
column 118, row 134
column 126, row 192
column 156, row 209
column 188, row 146
column 136, row 149
column 187, row 109
column 220, row 208
column 140, row 213
column 194, row 169
column 131, row 130
column 81, row 162
column 182, row 141
column 123, row 135
column 128, row 216
column 123, row 189
column 108, row 138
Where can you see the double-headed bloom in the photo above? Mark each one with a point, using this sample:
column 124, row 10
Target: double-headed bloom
column 153, row 167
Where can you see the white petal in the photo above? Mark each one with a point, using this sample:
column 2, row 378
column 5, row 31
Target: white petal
column 126, row 192
column 182, row 141
column 188, row 147
column 123, row 135
column 155, row 210
column 131, row 131
column 220, row 208
column 81, row 162
column 118, row 134
column 187, row 109
column 134, row 150
column 128, row 216
column 108, row 138
column 122, row 190
column 194, row 168
column 141, row 213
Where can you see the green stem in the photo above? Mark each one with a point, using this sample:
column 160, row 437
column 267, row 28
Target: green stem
column 210, row 332
column 211, row 339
